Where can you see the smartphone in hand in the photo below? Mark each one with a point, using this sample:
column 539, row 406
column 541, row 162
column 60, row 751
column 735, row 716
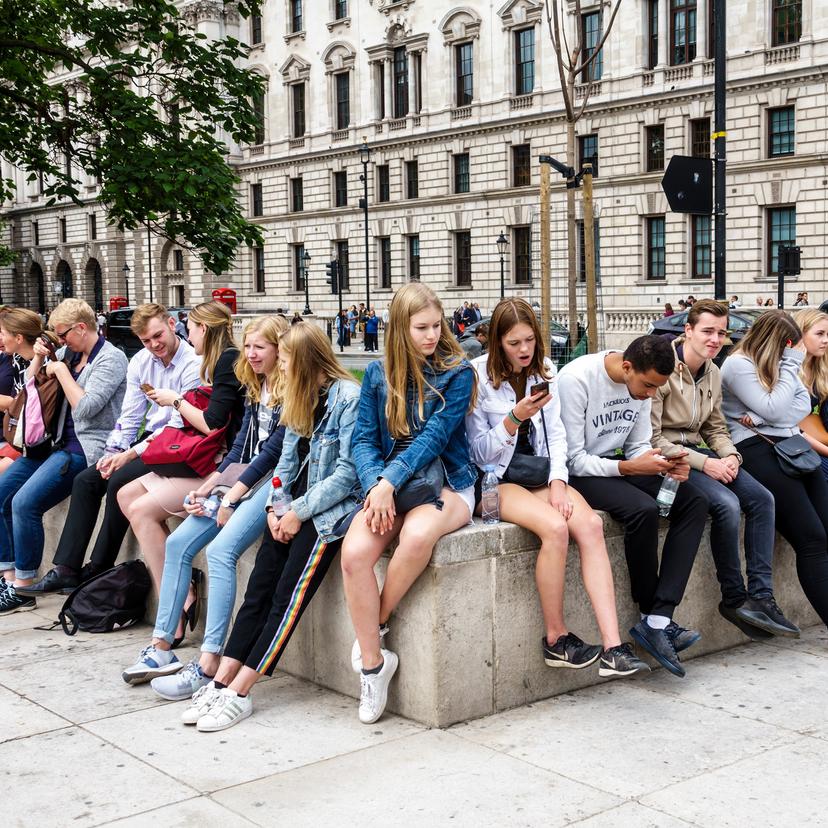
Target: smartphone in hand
column 538, row 388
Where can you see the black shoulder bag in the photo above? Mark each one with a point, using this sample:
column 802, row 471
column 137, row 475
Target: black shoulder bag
column 794, row 454
column 529, row 470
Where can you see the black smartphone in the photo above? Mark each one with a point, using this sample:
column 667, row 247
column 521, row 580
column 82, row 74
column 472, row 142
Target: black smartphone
column 539, row 387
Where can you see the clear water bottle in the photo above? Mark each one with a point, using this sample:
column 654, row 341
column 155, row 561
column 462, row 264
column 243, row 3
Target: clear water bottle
column 666, row 495
column 116, row 442
column 490, row 505
column 279, row 500
column 210, row 506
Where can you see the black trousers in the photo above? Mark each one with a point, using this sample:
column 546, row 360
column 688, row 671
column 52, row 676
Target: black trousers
column 631, row 501
column 801, row 512
column 88, row 489
column 285, row 578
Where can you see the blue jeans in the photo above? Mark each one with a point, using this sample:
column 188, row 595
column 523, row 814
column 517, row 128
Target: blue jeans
column 727, row 502
column 226, row 545
column 28, row 489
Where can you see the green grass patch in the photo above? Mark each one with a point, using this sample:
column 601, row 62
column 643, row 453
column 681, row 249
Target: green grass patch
column 358, row 374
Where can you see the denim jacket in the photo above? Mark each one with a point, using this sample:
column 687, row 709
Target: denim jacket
column 333, row 489
column 441, row 434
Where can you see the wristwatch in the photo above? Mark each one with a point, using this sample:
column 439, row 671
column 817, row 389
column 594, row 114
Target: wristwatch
column 226, row 503
column 177, row 403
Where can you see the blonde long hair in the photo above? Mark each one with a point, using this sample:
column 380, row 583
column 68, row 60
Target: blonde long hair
column 814, row 372
column 218, row 336
column 765, row 341
column 270, row 328
column 310, row 355
column 404, row 363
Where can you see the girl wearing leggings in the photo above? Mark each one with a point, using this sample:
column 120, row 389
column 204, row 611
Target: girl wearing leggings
column 410, row 433
column 318, row 412
column 763, row 393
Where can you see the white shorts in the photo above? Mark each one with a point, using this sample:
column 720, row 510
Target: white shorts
column 468, row 497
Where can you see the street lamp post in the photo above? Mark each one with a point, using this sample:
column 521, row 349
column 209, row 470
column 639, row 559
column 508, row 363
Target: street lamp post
column 305, row 268
column 502, row 243
column 365, row 157
column 126, row 281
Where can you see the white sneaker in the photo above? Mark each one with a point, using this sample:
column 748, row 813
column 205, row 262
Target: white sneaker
column 151, row 663
column 201, row 701
column 182, row 684
column 356, row 654
column 374, row 689
column 228, row 708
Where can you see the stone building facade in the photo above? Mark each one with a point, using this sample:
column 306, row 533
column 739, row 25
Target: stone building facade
column 456, row 103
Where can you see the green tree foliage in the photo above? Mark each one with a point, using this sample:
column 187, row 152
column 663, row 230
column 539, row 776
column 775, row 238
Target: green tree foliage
column 137, row 99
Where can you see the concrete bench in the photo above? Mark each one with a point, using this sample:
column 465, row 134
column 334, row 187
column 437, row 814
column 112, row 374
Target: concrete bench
column 468, row 634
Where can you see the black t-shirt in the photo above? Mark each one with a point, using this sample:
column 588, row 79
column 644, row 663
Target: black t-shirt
column 524, row 444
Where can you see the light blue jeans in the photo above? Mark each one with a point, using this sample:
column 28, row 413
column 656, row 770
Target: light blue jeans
column 226, row 546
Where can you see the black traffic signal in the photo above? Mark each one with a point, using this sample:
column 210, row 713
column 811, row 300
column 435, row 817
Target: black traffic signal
column 332, row 271
column 789, row 260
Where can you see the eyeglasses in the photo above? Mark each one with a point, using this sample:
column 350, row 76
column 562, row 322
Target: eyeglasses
column 62, row 336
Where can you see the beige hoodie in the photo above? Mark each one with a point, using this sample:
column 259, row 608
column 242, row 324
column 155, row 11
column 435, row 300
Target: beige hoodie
column 686, row 412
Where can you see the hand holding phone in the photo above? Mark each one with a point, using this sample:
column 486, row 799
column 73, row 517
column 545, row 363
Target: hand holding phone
column 539, row 388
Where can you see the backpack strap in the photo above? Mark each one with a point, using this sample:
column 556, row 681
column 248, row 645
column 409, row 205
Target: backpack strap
column 65, row 616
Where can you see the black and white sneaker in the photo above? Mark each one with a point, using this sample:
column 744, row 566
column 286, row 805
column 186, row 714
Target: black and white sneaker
column 621, row 661
column 11, row 601
column 570, row 651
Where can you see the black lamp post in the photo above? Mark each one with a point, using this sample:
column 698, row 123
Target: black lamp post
column 126, row 280
column 305, row 268
column 365, row 157
column 502, row 243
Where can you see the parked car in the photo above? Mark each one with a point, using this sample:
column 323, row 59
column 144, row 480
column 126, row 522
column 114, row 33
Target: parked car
column 739, row 321
column 559, row 339
column 120, row 334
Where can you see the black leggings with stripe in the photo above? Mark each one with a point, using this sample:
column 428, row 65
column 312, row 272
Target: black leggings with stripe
column 285, row 578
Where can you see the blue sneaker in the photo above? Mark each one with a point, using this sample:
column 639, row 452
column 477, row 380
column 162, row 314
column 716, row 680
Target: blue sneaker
column 658, row 644
column 181, row 685
column 151, row 663
column 681, row 637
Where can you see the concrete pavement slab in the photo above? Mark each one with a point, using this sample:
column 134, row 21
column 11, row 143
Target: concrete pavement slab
column 431, row 778
column 70, row 777
column 24, row 621
column 775, row 789
column 21, row 717
column 194, row 813
column 814, row 640
column 580, row 733
column 294, row 723
column 632, row 815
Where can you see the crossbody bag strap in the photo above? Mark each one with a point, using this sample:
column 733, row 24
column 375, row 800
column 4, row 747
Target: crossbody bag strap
column 759, row 434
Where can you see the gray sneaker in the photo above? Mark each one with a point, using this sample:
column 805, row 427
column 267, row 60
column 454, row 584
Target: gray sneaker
column 181, row 685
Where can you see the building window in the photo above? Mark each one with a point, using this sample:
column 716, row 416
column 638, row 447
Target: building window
column 786, row 17
column 652, row 33
column 340, row 9
column 522, row 246
column 781, row 131
column 700, row 137
column 521, row 166
column 412, row 179
column 702, row 247
column 462, row 258
column 257, row 205
column 590, row 35
column 93, row 226
column 400, row 82
column 414, row 258
column 298, row 267
column 682, row 31
column 344, row 267
column 343, row 100
column 178, row 260
column 654, row 136
column 36, row 233
column 295, row 16
column 255, row 29
column 259, row 115
column 341, row 188
column 781, row 230
column 297, row 96
column 297, row 195
column 464, row 73
column 383, row 183
column 596, row 241
column 711, row 29
column 524, row 61
column 63, row 230
column 417, row 58
column 380, row 78
column 385, row 262
column 655, row 248
column 461, row 172
column 258, row 270
column 588, row 152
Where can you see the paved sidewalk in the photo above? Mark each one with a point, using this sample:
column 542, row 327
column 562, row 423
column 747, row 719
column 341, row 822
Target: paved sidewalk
column 742, row 741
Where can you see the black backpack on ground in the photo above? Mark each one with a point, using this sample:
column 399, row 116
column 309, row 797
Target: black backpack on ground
column 112, row 600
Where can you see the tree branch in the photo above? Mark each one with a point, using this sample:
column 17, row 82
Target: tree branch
column 39, row 48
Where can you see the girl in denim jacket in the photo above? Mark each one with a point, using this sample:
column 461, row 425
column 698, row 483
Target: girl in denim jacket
column 316, row 468
column 411, row 412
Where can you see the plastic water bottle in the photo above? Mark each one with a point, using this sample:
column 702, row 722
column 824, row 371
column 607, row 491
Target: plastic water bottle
column 666, row 495
column 210, row 506
column 490, row 506
column 116, row 442
column 279, row 500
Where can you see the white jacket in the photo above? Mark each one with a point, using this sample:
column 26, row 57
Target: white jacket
column 491, row 444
